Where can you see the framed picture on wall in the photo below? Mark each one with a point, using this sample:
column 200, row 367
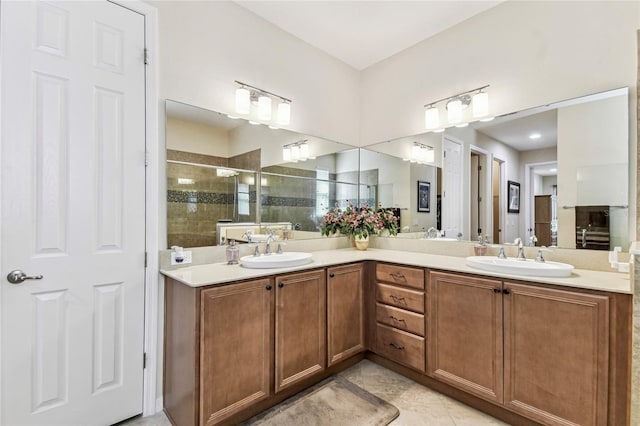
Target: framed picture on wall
column 513, row 199
column 424, row 196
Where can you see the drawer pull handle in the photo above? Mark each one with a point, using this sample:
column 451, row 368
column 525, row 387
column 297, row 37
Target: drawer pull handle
column 397, row 319
column 396, row 298
column 397, row 276
column 398, row 347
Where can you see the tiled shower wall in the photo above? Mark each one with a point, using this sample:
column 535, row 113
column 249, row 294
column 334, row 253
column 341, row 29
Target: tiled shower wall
column 193, row 210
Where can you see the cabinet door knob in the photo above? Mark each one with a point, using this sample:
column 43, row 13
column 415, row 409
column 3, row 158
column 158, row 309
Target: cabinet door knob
column 497, row 290
column 506, row 291
column 280, row 285
column 268, row 287
column 331, row 275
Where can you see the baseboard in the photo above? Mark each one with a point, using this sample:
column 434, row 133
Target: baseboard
column 159, row 404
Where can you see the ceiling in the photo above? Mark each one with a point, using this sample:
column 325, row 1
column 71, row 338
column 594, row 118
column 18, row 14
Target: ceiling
column 362, row 33
column 515, row 132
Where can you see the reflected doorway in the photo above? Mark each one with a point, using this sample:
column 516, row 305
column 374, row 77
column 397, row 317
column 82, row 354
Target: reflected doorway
column 497, row 173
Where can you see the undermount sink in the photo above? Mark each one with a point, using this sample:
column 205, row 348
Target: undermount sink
column 520, row 267
column 284, row 260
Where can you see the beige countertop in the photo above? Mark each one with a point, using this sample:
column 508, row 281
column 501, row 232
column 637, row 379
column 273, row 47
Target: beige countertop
column 220, row 273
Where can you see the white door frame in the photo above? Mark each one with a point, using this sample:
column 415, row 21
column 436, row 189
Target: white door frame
column 529, row 196
column 151, row 214
column 150, row 374
column 486, row 161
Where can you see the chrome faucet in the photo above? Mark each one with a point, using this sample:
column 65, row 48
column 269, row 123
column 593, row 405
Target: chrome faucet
column 431, row 233
column 520, row 256
column 270, row 238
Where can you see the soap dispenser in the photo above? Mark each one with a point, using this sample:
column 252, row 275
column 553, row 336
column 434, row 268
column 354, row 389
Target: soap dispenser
column 233, row 253
column 481, row 247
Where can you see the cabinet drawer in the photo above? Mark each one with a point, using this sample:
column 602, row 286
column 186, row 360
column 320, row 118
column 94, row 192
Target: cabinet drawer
column 400, row 297
column 400, row 346
column 402, row 275
column 400, row 318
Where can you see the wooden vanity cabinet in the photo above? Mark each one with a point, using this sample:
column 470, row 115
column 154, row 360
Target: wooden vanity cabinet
column 236, row 359
column 218, row 356
column 465, row 333
column 345, row 312
column 300, row 328
column 538, row 351
column 399, row 314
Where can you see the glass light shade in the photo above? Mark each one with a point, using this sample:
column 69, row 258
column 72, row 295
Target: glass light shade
column 284, row 113
column 264, row 108
column 286, row 153
column 263, row 182
column 295, row 153
column 431, row 118
column 304, row 151
column 454, row 112
column 429, row 155
column 243, row 100
column 415, row 153
column 480, row 104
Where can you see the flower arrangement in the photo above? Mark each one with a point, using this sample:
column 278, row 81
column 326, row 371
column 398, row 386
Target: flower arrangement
column 360, row 222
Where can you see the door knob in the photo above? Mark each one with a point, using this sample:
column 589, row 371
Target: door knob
column 17, row 276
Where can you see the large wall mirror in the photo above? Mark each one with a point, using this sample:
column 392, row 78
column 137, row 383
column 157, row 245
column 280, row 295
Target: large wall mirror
column 555, row 175
column 228, row 176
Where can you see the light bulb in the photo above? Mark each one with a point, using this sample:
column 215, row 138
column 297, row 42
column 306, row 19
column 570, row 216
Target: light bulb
column 431, row 118
column 264, row 108
column 284, row 113
column 454, row 111
column 295, row 153
column 243, row 100
column 304, row 151
column 480, row 104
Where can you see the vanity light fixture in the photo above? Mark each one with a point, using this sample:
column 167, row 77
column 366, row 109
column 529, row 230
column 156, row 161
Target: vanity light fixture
column 455, row 106
column 296, row 151
column 246, row 95
column 421, row 153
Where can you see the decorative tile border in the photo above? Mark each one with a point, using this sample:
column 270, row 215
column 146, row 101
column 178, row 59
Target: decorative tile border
column 201, row 197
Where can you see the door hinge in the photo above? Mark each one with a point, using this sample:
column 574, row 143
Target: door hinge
column 145, row 259
column 445, row 154
column 146, row 158
column 479, row 168
column 479, row 199
column 144, row 360
column 146, row 56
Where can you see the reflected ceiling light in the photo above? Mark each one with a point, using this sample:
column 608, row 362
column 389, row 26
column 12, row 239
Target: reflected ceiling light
column 263, row 182
column 255, row 123
column 296, row 151
column 421, row 153
column 286, row 154
column 222, row 172
column 455, row 106
column 533, row 136
column 185, row 181
column 246, row 95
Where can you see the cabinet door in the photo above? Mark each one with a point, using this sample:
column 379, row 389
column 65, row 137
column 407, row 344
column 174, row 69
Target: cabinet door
column 235, row 348
column 300, row 327
column 556, row 354
column 345, row 312
column 465, row 333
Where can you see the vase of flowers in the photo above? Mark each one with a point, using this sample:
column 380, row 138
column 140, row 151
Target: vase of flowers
column 359, row 223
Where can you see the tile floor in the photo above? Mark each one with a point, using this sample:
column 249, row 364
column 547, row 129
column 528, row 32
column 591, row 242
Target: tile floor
column 418, row 405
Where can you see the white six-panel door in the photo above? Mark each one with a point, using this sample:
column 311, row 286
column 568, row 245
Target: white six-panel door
column 452, row 189
column 73, row 210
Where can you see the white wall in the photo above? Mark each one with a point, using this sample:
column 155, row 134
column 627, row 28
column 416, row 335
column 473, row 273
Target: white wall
column 206, row 45
column 530, row 52
column 593, row 165
column 195, row 137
